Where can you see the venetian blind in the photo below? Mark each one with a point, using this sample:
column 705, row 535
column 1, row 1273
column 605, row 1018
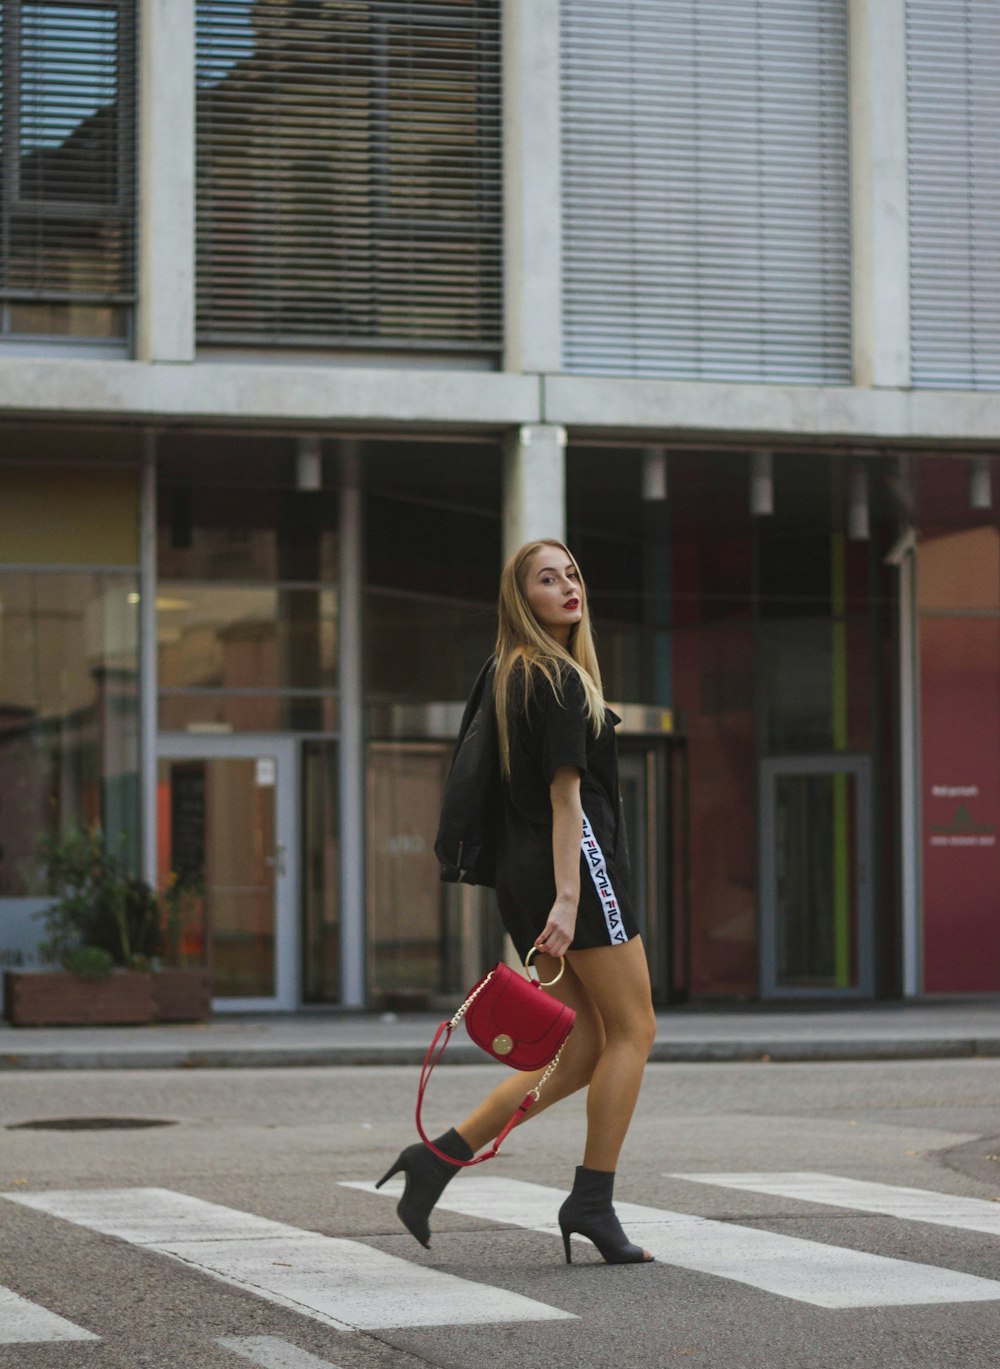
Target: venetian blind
column 706, row 229
column 349, row 173
column 67, row 129
column 953, row 61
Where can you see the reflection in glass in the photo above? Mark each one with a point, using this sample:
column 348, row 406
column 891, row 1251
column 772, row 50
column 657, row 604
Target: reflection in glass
column 815, row 876
column 214, row 636
column 68, row 713
column 218, row 865
column 424, row 647
column 320, row 872
column 247, row 601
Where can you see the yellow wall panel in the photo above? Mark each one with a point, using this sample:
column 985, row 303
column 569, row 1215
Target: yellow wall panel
column 69, row 515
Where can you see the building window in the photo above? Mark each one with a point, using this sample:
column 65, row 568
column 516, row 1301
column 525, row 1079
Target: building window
column 705, row 190
column 68, row 713
column 953, row 108
column 67, row 129
column 349, row 174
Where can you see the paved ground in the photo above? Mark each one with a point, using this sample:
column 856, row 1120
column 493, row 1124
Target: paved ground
column 808, row 1216
column 866, row 1032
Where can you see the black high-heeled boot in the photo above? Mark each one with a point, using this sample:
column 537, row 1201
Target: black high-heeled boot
column 426, row 1177
column 589, row 1211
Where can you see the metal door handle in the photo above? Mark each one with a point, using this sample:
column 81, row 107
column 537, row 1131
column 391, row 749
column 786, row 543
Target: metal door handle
column 277, row 861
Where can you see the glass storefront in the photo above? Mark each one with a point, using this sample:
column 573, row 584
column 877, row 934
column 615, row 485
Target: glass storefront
column 754, row 659
column 247, row 646
column 68, row 656
column 433, row 538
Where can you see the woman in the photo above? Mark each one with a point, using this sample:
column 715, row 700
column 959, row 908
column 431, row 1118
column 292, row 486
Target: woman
column 562, row 865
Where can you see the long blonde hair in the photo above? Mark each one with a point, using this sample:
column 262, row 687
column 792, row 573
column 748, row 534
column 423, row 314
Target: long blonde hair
column 522, row 642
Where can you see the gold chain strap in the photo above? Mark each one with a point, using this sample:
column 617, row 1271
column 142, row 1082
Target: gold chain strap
column 551, row 1066
column 470, row 1000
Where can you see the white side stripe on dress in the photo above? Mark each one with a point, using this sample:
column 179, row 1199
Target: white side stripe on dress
column 594, row 857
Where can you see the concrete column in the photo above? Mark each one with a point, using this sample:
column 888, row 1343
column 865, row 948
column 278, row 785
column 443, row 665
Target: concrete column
column 351, row 749
column 165, row 314
column 532, row 186
column 534, row 487
column 880, row 245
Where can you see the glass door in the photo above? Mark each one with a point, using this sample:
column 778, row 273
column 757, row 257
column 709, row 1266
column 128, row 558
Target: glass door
column 815, row 861
column 227, row 863
column 645, row 802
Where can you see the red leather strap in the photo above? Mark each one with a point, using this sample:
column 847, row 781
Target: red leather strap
column 430, row 1060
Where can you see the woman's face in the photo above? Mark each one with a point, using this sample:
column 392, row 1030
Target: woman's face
column 553, row 591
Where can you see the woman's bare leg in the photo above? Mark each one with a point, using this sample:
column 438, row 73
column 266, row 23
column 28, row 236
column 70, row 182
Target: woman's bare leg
column 580, row 1056
column 616, row 979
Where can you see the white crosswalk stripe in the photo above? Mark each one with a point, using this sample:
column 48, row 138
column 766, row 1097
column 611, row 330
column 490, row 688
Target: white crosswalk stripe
column 271, row 1352
column 342, row 1283
column 807, row 1271
column 25, row 1323
column 889, row 1200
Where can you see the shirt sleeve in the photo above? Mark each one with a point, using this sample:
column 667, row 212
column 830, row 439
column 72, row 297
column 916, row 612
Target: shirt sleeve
column 564, row 723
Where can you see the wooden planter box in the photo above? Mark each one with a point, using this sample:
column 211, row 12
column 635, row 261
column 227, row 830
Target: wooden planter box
column 182, row 995
column 55, row 998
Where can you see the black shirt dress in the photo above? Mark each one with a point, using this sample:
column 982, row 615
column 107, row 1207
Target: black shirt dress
column 548, row 734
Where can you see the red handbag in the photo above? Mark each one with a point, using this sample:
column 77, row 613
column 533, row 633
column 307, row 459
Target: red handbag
column 515, row 1021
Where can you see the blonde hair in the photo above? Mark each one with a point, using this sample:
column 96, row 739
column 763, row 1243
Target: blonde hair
column 522, row 642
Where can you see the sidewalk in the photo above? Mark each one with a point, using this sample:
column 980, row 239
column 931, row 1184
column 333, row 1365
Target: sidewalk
column 883, row 1031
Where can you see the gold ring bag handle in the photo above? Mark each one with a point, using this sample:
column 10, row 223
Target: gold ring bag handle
column 545, row 983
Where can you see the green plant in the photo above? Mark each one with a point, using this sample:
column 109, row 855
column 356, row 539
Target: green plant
column 98, row 906
column 88, row 962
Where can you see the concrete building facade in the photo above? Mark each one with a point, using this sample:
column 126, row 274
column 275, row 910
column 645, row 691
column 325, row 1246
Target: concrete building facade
column 314, row 311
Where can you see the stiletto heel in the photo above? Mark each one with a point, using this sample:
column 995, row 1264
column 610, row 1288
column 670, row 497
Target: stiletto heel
column 589, row 1212
column 427, row 1175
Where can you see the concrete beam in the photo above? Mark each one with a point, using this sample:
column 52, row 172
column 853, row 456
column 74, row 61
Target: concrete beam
column 667, row 410
column 880, row 244
column 166, row 181
column 242, row 392
column 299, row 397
column 532, row 186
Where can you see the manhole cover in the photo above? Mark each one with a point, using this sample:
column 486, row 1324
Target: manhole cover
column 90, row 1124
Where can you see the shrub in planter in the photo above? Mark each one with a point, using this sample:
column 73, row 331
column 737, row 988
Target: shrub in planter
column 106, row 930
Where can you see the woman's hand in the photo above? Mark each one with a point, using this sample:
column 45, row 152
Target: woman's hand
column 557, row 935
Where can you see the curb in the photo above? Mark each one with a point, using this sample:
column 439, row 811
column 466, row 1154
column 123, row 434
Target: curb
column 833, row 1050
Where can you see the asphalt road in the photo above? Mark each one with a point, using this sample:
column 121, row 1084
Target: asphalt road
column 830, row 1225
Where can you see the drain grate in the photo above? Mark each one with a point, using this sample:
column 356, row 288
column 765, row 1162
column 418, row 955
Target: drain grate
column 90, row 1124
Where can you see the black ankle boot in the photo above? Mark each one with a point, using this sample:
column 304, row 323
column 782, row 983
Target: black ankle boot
column 589, row 1211
column 426, row 1177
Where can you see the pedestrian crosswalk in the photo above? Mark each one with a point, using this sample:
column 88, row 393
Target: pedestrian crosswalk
column 25, row 1323
column 889, row 1200
column 350, row 1285
column 807, row 1271
column 345, row 1284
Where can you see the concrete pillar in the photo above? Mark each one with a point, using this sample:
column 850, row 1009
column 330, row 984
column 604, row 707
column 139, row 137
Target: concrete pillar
column 166, row 181
column 534, row 487
column 880, row 247
column 532, row 187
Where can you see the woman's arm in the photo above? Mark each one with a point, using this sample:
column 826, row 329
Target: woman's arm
column 567, row 830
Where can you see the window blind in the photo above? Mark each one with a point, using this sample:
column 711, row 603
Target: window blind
column 349, row 173
column 67, row 129
column 706, row 230
column 953, row 60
